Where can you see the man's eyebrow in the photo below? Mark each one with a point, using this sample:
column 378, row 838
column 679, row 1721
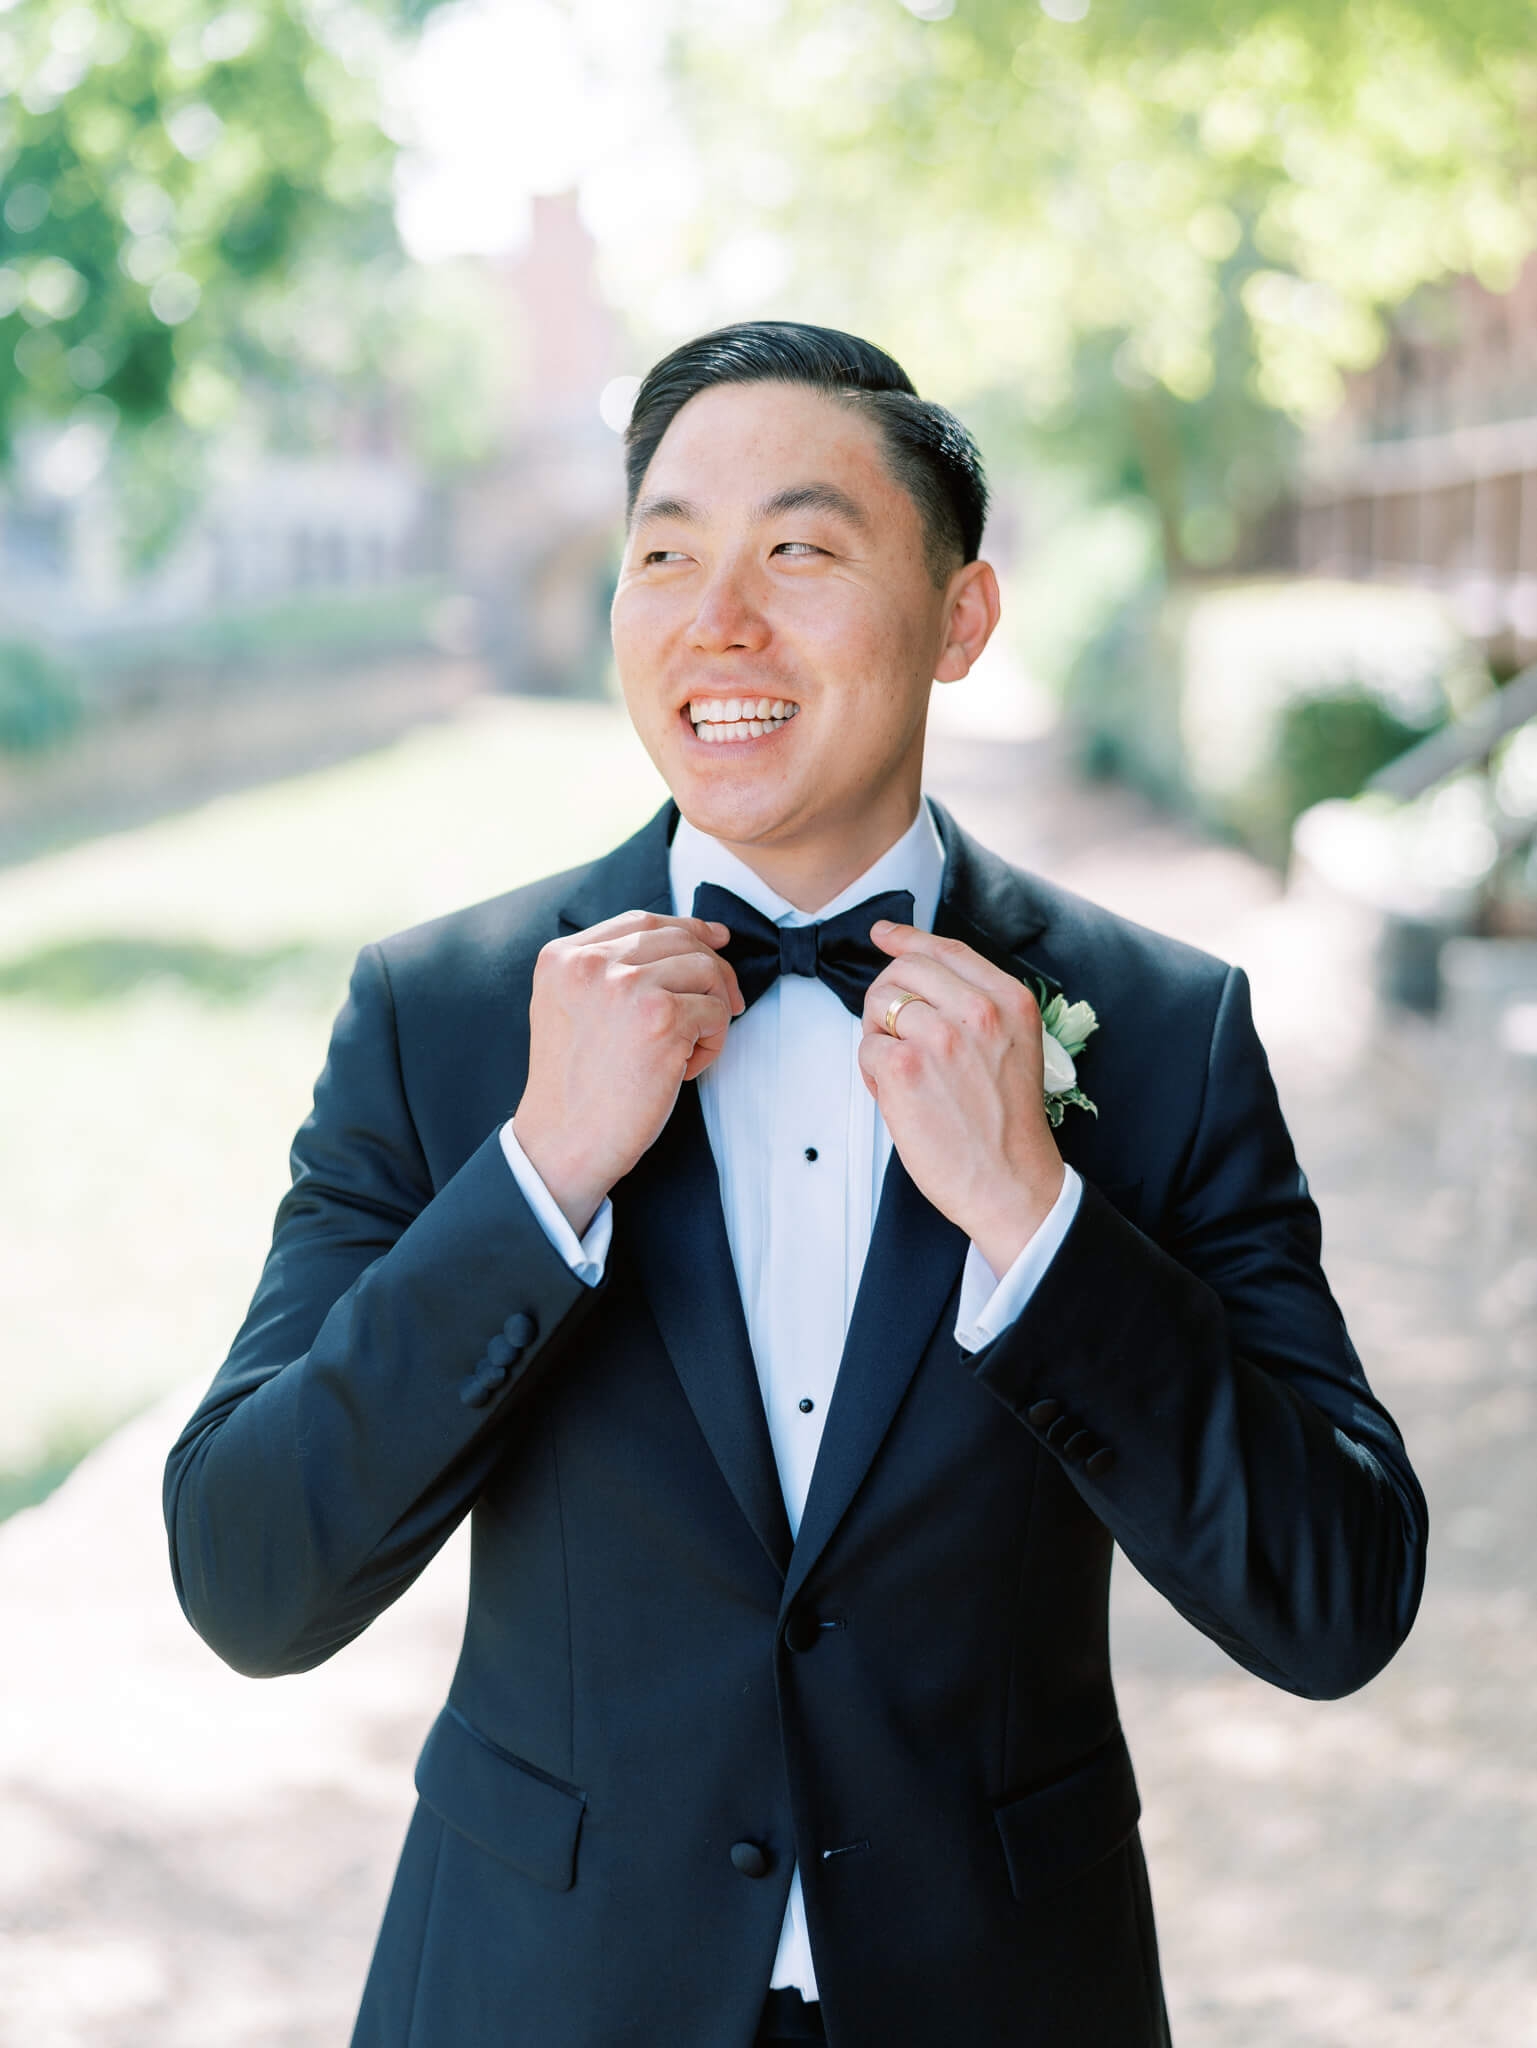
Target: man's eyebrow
column 811, row 497
column 667, row 508
column 814, row 498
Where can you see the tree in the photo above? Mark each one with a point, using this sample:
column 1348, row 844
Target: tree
column 196, row 226
column 1167, row 228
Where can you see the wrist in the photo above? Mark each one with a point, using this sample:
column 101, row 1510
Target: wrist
column 577, row 1194
column 1007, row 1226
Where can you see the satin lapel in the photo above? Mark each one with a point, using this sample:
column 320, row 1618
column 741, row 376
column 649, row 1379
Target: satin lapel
column 913, row 1265
column 994, row 909
column 668, row 1220
column 986, row 903
column 668, row 1210
column 916, row 1255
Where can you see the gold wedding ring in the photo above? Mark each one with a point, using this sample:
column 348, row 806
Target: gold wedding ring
column 893, row 1007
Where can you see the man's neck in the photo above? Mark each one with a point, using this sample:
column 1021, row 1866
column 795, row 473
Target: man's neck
column 810, row 875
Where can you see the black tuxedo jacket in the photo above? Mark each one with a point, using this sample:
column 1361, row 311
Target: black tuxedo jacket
column 661, row 1703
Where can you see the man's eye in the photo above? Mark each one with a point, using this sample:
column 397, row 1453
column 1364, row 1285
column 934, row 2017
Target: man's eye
column 661, row 555
column 797, row 547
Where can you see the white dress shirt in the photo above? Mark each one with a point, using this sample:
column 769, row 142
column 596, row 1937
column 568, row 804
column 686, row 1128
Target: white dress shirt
column 801, row 1149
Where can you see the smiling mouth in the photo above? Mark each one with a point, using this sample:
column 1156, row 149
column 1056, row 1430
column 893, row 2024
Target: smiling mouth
column 718, row 720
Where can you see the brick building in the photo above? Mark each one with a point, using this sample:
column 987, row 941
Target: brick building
column 1429, row 474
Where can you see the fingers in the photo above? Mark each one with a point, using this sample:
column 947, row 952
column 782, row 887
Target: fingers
column 657, row 954
column 681, row 950
column 906, row 942
column 686, row 974
column 659, row 939
column 633, row 923
column 945, row 1002
column 699, row 1017
column 956, row 987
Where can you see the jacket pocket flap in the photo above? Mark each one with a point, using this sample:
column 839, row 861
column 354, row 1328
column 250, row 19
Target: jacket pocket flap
column 506, row 1807
column 1067, row 1827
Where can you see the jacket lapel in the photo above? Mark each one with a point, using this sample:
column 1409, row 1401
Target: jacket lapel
column 669, row 1222
column 910, row 1273
column 668, row 1216
column 916, row 1255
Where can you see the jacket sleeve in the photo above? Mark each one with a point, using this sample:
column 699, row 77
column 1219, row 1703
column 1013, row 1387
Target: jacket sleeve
column 396, row 1331
column 1203, row 1396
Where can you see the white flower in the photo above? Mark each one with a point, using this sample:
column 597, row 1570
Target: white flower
column 1060, row 1073
column 1065, row 1029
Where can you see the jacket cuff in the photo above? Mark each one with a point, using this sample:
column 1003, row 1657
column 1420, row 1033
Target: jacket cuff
column 1088, row 1361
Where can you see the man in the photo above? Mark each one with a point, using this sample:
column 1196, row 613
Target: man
column 697, row 1222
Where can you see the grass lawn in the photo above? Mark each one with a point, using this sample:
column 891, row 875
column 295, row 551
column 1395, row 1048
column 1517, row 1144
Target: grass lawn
column 165, row 996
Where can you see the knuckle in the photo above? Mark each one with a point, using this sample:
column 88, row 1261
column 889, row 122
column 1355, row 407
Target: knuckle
column 979, row 1014
column 653, row 1012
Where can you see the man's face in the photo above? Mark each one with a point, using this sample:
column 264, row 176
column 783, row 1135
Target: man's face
column 774, row 566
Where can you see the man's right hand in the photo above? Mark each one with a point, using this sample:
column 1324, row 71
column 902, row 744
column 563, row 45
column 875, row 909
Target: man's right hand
column 621, row 1015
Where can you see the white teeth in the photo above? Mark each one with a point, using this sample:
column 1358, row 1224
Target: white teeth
column 736, row 718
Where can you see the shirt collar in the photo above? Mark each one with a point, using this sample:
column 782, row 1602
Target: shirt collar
column 915, row 862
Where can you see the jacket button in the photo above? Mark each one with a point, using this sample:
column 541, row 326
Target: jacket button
column 477, row 1390
column 1078, row 1445
column 1043, row 1413
column 500, row 1353
column 1060, row 1430
column 1100, row 1463
column 802, row 1630
column 749, row 1859
column 520, row 1330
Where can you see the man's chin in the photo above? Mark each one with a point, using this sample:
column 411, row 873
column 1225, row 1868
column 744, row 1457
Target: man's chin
column 739, row 817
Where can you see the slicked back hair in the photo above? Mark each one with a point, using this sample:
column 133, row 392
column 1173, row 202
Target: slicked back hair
column 928, row 452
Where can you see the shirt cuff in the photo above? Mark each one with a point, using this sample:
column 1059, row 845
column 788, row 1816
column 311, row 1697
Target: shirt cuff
column 586, row 1256
column 988, row 1304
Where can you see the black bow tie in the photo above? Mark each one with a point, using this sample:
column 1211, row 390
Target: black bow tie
column 839, row 951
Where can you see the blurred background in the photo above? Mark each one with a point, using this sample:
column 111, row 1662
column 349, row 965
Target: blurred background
column 319, row 323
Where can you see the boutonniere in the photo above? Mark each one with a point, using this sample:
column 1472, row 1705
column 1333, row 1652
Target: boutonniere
column 1065, row 1030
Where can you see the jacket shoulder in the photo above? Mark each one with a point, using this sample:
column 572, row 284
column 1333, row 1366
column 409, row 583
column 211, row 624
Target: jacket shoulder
column 507, row 930
column 1078, row 928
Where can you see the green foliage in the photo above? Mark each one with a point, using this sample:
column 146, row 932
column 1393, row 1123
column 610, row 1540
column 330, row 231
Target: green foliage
column 165, row 163
column 1167, row 228
column 1332, row 746
column 40, row 700
column 1246, row 703
column 197, row 239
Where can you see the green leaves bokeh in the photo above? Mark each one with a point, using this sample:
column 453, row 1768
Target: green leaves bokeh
column 166, row 165
column 1167, row 228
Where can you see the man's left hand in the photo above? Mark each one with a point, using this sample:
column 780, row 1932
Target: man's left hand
column 961, row 1088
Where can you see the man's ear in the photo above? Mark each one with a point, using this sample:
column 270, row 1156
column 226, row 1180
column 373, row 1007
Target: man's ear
column 971, row 613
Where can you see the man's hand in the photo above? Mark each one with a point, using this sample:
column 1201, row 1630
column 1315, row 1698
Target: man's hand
column 961, row 1088
column 621, row 1015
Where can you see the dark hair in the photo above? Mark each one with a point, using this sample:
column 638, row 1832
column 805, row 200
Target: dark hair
column 928, row 451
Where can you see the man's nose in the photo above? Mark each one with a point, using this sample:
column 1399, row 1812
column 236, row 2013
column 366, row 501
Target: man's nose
column 727, row 615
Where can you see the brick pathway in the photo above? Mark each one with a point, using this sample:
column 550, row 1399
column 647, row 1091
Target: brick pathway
column 190, row 1860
